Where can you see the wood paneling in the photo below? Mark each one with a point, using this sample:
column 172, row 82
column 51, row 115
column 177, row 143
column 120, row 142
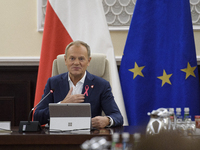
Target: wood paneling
column 7, row 109
column 17, row 86
column 20, row 103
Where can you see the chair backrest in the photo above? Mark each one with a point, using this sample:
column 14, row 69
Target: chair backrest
column 99, row 66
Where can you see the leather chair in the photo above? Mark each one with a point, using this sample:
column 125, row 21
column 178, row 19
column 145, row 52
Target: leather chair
column 99, row 66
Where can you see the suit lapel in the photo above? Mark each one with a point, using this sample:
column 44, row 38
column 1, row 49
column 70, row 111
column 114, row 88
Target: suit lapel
column 88, row 84
column 64, row 85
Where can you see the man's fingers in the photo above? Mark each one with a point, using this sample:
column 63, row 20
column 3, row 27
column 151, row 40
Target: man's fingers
column 79, row 96
column 100, row 121
column 70, row 91
column 79, row 101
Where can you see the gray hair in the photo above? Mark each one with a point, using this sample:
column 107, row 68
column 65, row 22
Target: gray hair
column 78, row 43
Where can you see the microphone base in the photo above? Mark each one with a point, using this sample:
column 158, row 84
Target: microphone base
column 29, row 126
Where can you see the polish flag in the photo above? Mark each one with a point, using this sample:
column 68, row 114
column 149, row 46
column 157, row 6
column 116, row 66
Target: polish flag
column 70, row 20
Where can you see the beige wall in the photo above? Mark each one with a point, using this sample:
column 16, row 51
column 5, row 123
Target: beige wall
column 197, row 41
column 119, row 40
column 19, row 36
column 18, row 29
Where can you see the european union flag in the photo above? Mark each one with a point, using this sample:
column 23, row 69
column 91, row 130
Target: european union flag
column 159, row 67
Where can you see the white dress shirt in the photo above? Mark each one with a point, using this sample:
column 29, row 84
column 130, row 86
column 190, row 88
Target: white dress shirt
column 77, row 89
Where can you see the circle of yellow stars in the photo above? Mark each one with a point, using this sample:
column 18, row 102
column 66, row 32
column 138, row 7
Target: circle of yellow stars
column 137, row 71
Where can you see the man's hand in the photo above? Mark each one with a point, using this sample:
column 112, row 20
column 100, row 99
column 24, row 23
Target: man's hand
column 100, row 122
column 78, row 98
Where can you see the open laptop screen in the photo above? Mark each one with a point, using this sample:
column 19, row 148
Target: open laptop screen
column 70, row 116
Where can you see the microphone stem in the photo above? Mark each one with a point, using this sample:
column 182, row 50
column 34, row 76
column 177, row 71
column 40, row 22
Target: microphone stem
column 30, row 114
column 41, row 100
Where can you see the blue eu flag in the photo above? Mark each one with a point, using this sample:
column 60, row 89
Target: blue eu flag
column 159, row 67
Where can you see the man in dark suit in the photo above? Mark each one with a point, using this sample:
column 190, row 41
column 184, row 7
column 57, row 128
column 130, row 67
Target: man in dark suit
column 79, row 86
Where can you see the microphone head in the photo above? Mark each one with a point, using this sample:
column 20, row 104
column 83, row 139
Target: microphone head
column 52, row 90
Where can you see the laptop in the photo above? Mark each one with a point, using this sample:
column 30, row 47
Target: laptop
column 70, row 116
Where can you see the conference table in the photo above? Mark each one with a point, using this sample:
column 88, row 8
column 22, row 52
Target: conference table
column 45, row 140
column 62, row 140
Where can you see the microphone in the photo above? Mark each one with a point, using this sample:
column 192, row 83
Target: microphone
column 32, row 126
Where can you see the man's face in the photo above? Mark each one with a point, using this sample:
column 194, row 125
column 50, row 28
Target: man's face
column 77, row 61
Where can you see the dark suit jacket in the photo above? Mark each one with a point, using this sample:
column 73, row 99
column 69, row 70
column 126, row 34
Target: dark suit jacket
column 99, row 96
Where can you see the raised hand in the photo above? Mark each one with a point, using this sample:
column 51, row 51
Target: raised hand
column 78, row 98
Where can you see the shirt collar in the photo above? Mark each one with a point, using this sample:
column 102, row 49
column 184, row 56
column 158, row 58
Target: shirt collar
column 82, row 79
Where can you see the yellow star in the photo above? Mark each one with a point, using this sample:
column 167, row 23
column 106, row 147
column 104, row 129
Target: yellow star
column 189, row 71
column 137, row 71
column 165, row 78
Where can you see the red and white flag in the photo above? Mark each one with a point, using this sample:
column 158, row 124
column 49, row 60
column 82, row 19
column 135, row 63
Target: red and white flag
column 70, row 20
